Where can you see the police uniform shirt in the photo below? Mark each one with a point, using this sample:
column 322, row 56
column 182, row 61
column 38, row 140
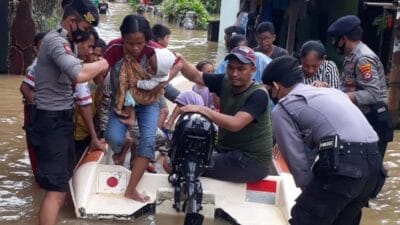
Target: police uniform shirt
column 315, row 113
column 56, row 68
column 363, row 74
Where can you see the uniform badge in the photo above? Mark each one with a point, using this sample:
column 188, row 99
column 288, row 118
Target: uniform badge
column 366, row 71
column 89, row 17
column 68, row 49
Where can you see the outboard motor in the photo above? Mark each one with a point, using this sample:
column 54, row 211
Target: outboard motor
column 192, row 145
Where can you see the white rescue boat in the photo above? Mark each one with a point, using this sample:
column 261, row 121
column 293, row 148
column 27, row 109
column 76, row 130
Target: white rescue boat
column 98, row 188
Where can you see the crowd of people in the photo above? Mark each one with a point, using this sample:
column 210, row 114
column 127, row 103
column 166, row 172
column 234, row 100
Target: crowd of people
column 80, row 92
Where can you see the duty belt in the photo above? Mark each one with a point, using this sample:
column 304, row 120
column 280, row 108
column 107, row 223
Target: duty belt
column 358, row 148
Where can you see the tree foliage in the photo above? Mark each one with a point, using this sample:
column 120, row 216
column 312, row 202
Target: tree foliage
column 212, row 6
column 46, row 14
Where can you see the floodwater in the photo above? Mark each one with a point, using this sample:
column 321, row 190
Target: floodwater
column 20, row 197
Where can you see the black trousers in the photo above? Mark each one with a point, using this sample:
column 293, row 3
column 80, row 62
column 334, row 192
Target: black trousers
column 337, row 198
column 53, row 141
column 384, row 129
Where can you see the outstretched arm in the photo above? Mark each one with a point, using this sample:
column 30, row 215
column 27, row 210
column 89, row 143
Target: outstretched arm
column 173, row 117
column 231, row 123
column 91, row 70
column 191, row 73
column 86, row 112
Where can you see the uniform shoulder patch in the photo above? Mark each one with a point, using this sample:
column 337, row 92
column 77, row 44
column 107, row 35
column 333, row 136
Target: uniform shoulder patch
column 68, row 49
column 365, row 71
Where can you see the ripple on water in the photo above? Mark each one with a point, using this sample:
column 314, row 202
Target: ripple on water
column 4, row 143
column 16, row 165
column 9, row 120
column 391, row 165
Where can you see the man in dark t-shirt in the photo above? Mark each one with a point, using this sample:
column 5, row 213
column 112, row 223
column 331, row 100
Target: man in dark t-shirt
column 265, row 37
column 244, row 135
column 103, row 7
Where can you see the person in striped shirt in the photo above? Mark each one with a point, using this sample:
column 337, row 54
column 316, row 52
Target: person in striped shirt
column 318, row 71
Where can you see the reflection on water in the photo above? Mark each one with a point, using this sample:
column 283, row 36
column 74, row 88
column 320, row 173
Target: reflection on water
column 20, row 197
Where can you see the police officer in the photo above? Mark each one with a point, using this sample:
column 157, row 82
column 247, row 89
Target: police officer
column 57, row 67
column 348, row 169
column 363, row 78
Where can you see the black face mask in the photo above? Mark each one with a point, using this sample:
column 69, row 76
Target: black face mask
column 78, row 35
column 273, row 99
column 338, row 49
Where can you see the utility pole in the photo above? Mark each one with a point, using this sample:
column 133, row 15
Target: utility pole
column 394, row 81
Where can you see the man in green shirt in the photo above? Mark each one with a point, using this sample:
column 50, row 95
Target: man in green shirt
column 244, row 145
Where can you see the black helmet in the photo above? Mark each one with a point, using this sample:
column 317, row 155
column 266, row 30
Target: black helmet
column 193, row 140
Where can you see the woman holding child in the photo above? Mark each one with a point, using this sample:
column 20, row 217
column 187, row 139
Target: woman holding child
column 133, row 63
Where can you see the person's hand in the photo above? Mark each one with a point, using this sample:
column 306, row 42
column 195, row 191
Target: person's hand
column 179, row 55
column 318, row 83
column 95, row 144
column 191, row 108
column 103, row 64
column 160, row 86
column 175, row 70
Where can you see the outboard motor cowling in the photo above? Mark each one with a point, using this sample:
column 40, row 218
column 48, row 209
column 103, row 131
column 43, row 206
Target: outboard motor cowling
column 192, row 145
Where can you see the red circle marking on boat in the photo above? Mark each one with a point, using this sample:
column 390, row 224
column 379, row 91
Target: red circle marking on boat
column 112, row 181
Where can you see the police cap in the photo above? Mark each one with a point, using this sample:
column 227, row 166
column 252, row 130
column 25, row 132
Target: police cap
column 343, row 25
column 87, row 10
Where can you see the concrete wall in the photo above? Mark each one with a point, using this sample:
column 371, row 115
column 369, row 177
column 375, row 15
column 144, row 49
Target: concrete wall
column 229, row 9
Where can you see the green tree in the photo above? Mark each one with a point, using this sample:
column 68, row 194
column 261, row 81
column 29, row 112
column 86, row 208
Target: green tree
column 212, row 6
column 46, row 14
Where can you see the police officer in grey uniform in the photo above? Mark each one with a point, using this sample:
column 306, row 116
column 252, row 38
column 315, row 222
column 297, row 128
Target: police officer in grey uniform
column 363, row 78
column 52, row 132
column 348, row 168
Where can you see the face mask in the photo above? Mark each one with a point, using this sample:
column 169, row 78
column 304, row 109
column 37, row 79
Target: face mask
column 339, row 49
column 78, row 34
column 273, row 99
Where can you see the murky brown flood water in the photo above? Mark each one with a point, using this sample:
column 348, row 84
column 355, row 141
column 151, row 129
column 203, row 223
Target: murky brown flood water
column 20, row 197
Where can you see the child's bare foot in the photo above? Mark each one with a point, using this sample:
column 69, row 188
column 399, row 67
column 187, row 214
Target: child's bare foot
column 135, row 195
